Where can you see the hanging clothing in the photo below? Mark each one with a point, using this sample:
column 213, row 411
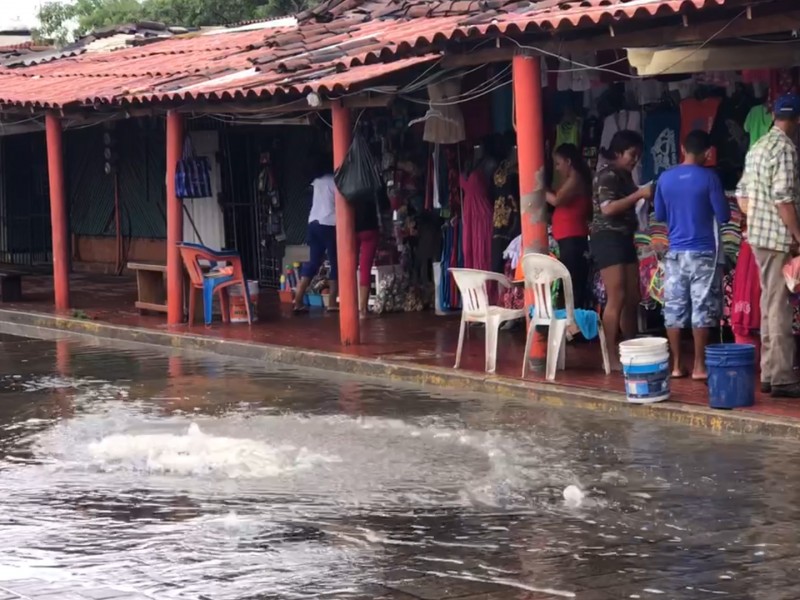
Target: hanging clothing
column 730, row 139
column 630, row 120
column 569, row 132
column 445, row 121
column 476, row 218
column 502, row 101
column 758, row 122
column 746, row 297
column 661, row 142
column 590, row 141
column 514, row 252
column 506, row 223
column 699, row 114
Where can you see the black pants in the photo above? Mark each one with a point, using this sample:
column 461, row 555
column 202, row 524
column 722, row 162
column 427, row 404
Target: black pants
column 574, row 253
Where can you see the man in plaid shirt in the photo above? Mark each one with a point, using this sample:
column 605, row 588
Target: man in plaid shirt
column 769, row 192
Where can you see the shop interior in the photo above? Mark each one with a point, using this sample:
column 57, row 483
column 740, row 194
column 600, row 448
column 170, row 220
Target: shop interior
column 447, row 156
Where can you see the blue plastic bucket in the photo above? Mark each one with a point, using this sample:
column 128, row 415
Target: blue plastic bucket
column 645, row 364
column 731, row 375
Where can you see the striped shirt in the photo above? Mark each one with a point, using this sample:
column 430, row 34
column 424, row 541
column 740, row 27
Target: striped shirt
column 770, row 178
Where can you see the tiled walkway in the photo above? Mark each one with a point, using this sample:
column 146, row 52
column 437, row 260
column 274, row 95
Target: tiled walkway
column 420, row 338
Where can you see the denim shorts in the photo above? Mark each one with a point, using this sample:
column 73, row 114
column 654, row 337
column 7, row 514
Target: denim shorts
column 692, row 290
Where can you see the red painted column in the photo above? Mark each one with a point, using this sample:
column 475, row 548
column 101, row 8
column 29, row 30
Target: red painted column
column 174, row 221
column 58, row 210
column 526, row 75
column 345, row 235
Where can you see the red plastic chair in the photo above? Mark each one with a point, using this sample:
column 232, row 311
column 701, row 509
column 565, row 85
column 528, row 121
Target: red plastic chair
column 210, row 283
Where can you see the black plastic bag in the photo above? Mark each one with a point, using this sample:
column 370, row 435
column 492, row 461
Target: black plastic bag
column 358, row 179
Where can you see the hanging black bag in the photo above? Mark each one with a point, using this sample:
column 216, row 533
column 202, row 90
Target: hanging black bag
column 358, row 179
column 193, row 174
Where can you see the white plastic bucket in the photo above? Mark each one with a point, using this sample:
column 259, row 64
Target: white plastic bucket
column 238, row 310
column 645, row 364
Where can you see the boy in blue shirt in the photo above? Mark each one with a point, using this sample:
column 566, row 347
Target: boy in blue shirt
column 690, row 200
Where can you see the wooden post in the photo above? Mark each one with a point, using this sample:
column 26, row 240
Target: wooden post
column 58, row 210
column 526, row 75
column 345, row 234
column 174, row 220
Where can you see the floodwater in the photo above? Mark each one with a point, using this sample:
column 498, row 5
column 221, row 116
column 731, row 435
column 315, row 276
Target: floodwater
column 194, row 477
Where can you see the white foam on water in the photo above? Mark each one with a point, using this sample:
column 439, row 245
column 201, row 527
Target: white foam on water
column 573, row 496
column 196, row 453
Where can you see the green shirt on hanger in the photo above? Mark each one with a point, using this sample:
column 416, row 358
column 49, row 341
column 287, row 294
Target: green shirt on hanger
column 758, row 122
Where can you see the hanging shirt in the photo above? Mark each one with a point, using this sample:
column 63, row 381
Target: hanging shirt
column 730, row 139
column 699, row 114
column 661, row 143
column 506, row 222
column 590, row 141
column 758, row 123
column 323, row 202
column 690, row 200
column 568, row 132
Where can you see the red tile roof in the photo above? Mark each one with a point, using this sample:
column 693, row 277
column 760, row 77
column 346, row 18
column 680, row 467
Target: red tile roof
column 330, row 46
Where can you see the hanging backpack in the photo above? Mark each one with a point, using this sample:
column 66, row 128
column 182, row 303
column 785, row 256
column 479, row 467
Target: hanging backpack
column 193, row 174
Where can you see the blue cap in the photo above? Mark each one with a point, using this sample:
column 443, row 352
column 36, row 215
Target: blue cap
column 787, row 105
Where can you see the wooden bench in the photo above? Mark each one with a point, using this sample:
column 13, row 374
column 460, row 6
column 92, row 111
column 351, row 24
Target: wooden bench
column 10, row 287
column 151, row 285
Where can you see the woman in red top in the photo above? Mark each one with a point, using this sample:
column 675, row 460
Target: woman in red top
column 570, row 223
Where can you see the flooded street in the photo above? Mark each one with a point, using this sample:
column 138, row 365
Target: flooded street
column 134, row 473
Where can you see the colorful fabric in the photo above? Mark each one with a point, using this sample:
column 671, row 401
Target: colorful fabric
column 770, row 178
column 476, row 218
column 745, row 314
column 692, row 294
column 699, row 114
column 661, row 142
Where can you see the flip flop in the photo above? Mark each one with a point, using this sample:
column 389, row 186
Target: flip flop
column 681, row 374
column 300, row 310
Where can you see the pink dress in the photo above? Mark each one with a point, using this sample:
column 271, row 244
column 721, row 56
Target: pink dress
column 476, row 217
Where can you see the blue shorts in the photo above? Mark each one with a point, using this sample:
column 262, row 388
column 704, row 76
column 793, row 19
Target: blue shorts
column 692, row 290
column 321, row 241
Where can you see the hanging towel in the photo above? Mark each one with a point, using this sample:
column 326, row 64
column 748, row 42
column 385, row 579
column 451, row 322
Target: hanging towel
column 586, row 320
column 513, row 251
column 746, row 294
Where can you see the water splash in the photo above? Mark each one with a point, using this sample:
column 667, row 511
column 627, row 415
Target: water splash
column 197, row 453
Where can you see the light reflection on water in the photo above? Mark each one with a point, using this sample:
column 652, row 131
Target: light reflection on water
column 197, row 478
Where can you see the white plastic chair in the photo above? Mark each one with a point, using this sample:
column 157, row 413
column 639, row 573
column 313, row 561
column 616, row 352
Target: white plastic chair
column 541, row 271
column 476, row 309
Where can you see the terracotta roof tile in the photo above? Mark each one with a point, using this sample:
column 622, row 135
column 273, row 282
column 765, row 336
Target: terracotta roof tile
column 316, row 50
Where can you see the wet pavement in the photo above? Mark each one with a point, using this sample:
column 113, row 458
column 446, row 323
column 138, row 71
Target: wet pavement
column 127, row 472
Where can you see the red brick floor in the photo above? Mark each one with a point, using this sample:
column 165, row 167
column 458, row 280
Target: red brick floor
column 421, row 338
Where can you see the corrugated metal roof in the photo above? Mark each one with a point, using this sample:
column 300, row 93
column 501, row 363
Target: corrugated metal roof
column 333, row 48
